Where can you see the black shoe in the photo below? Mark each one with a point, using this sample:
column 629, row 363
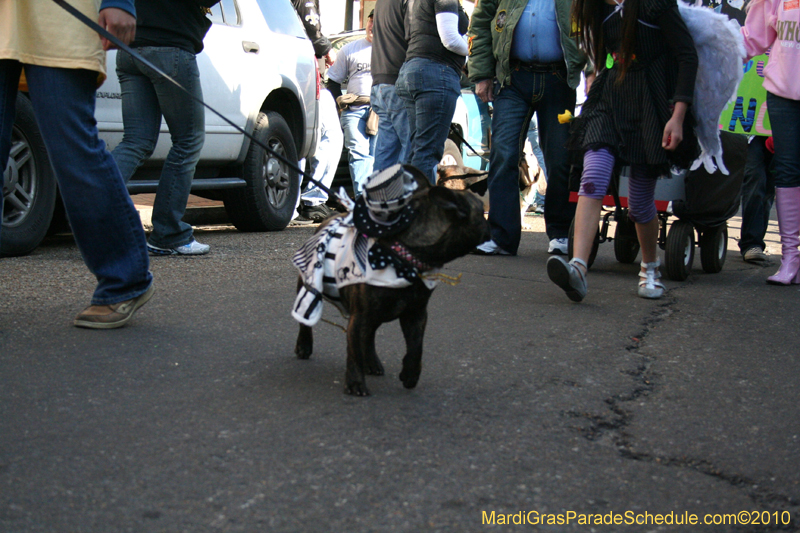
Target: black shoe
column 300, row 220
column 316, row 213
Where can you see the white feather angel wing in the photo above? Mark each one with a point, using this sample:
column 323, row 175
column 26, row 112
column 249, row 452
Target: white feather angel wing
column 721, row 53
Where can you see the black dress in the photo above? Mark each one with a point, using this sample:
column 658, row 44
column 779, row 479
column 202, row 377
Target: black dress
column 629, row 117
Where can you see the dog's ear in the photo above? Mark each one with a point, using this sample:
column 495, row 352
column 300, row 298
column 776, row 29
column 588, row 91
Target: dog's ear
column 422, row 179
column 449, row 200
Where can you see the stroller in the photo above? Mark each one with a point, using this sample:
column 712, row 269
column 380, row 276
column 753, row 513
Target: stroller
column 702, row 203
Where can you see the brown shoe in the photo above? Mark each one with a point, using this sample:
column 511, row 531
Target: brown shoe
column 111, row 316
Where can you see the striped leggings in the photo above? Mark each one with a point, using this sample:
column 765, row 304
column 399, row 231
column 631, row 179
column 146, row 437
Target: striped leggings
column 598, row 166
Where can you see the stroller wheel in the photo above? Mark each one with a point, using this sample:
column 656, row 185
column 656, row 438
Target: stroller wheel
column 714, row 248
column 679, row 251
column 595, row 244
column 626, row 243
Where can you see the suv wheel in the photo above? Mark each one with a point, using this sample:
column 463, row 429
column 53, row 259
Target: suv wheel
column 267, row 202
column 29, row 186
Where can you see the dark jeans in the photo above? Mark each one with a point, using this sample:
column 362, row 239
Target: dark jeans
column 758, row 195
column 784, row 115
column 104, row 222
column 547, row 94
column 430, row 91
column 146, row 97
column 392, row 144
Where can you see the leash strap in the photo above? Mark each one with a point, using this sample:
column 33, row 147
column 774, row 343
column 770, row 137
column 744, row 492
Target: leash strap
column 119, row 44
column 460, row 138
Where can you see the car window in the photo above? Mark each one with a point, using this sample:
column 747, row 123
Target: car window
column 282, row 18
column 231, row 12
column 226, row 12
column 338, row 43
column 216, row 15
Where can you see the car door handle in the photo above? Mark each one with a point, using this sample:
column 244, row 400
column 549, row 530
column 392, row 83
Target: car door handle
column 250, row 47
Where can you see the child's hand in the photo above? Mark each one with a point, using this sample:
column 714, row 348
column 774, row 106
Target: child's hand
column 673, row 134
column 673, row 131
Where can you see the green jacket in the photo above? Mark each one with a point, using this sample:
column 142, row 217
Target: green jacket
column 491, row 30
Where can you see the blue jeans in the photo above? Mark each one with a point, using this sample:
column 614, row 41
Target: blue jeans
column 360, row 146
column 430, row 91
column 547, row 94
column 105, row 224
column 784, row 115
column 533, row 138
column 328, row 151
column 393, row 130
column 758, row 195
column 145, row 97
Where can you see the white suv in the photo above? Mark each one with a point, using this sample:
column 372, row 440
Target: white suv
column 258, row 69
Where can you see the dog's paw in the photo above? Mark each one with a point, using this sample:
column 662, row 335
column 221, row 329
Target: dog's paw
column 305, row 343
column 302, row 352
column 374, row 368
column 409, row 378
column 356, row 389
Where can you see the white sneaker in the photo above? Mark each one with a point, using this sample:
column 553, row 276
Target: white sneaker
column 559, row 246
column 192, row 248
column 489, row 248
column 649, row 284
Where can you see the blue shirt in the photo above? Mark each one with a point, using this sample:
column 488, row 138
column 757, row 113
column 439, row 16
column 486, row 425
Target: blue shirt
column 536, row 36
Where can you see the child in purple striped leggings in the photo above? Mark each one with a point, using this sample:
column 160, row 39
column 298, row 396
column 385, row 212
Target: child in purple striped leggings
column 636, row 114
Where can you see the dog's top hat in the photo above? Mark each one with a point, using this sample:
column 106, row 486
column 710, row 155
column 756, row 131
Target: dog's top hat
column 385, row 207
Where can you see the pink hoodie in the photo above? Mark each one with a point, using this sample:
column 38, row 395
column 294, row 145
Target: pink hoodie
column 776, row 24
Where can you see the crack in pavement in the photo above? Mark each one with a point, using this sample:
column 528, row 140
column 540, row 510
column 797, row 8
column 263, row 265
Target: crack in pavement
column 612, row 426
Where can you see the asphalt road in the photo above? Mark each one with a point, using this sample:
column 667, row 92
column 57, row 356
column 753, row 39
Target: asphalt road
column 197, row 416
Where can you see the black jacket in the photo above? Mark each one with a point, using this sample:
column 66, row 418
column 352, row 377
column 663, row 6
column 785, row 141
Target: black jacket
column 389, row 41
column 308, row 10
column 177, row 23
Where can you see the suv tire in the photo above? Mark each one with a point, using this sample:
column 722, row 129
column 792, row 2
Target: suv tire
column 267, row 202
column 29, row 188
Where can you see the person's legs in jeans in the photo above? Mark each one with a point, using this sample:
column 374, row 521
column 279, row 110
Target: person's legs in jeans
column 541, row 184
column 403, row 91
column 434, row 88
column 141, row 116
column 391, row 145
column 327, row 153
column 185, row 118
column 9, row 82
column 105, row 223
column 785, row 120
column 360, row 146
column 511, row 114
column 553, row 98
column 533, row 138
column 758, row 194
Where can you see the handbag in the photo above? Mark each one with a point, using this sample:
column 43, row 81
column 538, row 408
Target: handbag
column 372, row 123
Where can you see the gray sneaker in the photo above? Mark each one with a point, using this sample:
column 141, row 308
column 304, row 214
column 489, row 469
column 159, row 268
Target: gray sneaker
column 568, row 276
column 192, row 248
column 754, row 254
column 558, row 246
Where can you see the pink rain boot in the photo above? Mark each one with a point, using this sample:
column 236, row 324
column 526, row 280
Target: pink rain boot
column 787, row 201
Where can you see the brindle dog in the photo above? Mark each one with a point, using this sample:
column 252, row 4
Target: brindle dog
column 447, row 224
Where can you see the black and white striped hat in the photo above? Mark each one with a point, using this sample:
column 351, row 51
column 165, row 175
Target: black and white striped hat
column 385, row 207
column 388, row 191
